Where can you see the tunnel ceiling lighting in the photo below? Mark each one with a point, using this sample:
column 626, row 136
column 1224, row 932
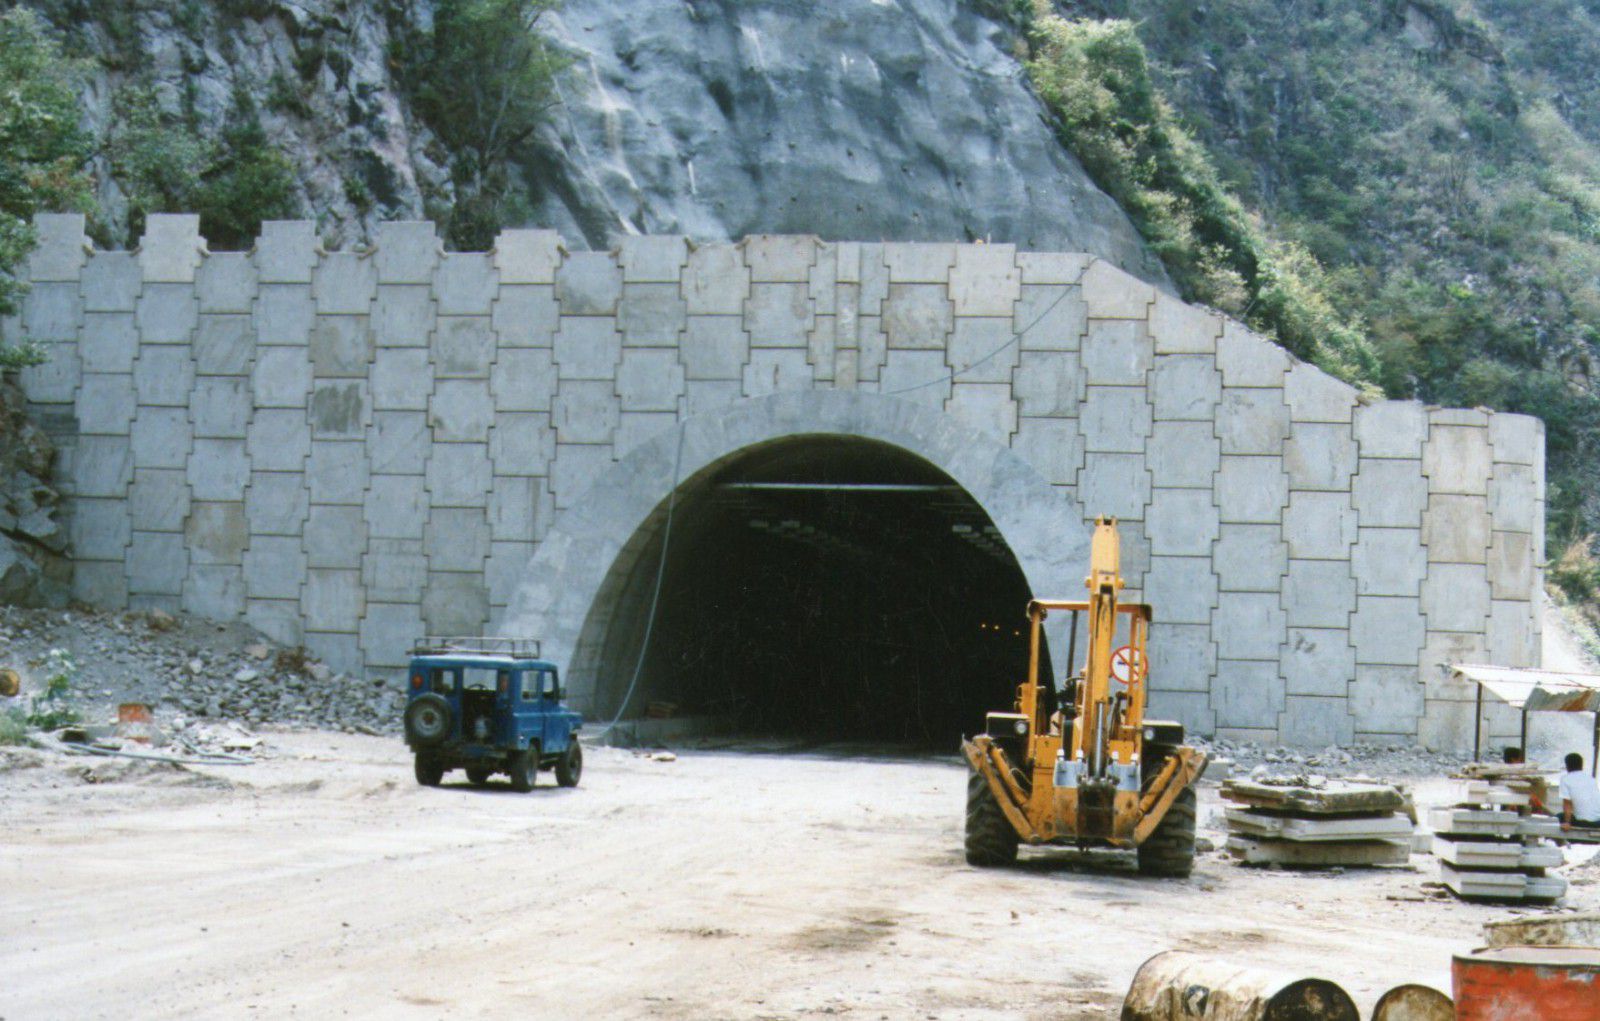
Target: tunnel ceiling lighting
column 842, row 487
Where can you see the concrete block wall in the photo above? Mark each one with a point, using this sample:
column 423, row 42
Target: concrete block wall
column 350, row 448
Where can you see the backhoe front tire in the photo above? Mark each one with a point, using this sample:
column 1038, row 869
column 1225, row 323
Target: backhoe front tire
column 991, row 840
column 1169, row 851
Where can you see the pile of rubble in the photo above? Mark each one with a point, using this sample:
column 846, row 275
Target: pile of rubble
column 186, row 669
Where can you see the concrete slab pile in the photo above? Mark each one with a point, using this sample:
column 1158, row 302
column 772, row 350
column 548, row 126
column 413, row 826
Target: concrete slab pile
column 349, row 448
column 1488, row 845
column 1311, row 822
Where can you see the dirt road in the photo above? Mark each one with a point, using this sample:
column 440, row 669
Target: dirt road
column 325, row 883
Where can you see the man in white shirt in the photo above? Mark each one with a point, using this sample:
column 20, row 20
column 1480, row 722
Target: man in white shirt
column 1580, row 797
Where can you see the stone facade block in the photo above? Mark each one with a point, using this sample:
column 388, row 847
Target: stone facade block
column 286, row 251
column 219, row 470
column 1111, row 293
column 1518, row 439
column 1052, row 446
column 1513, row 572
column 339, row 409
column 527, row 256
column 1247, row 694
column 1117, row 352
column 1387, row 630
column 1251, row 558
column 1248, row 360
column 985, row 280
column 1455, row 597
column 335, row 536
column 651, row 315
column 455, row 604
column 1252, row 421
column 284, row 315
column 1515, row 493
column 585, row 412
column 226, row 282
column 456, row 539
column 1313, row 722
column 587, row 348
column 986, row 406
column 716, row 280
column 650, row 380
column 157, row 563
column 332, row 600
column 112, row 282
column 1386, row 699
column 1179, row 328
column 102, row 466
column 224, row 345
column 1456, row 529
column 459, row 475
column 163, row 377
column 779, row 315
column 918, row 316
column 276, row 503
column 981, row 351
column 396, row 506
column 911, row 262
column 402, row 379
column 341, row 347
column 1320, row 525
column 461, row 411
column 1389, row 493
column 109, row 342
column 1182, row 657
column 215, row 533
column 1319, row 593
column 275, row 566
column 337, row 473
column 278, row 440
column 158, row 499
column 1318, row 661
column 344, row 283
column 1116, row 419
column 1180, row 522
column 464, row 284
column 1320, row 456
column 574, row 469
column 589, row 284
column 106, row 404
column 522, row 444
column 405, row 251
column 1249, row 625
column 166, row 314
column 1389, row 562
column 652, row 259
column 1182, row 589
column 1115, row 484
column 1186, row 388
column 281, row 378
column 403, row 315
column 771, row 370
column 463, row 347
column 1184, row 455
column 1048, row 384
column 161, row 438
column 1315, row 396
column 1391, row 429
column 1050, row 318
column 526, row 316
column 1457, row 459
column 1252, row 490
column 715, row 347
column 169, row 251
column 100, row 530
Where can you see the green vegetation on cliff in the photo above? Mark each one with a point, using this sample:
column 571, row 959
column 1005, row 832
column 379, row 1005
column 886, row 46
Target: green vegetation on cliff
column 42, row 149
column 1407, row 193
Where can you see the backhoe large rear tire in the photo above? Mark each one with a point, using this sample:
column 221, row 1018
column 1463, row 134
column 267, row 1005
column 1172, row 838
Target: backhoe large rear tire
column 1169, row 851
column 991, row 840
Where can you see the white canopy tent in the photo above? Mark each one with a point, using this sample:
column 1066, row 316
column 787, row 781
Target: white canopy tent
column 1533, row 691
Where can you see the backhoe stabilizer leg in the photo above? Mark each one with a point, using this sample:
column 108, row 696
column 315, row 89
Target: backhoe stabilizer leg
column 981, row 756
column 1181, row 771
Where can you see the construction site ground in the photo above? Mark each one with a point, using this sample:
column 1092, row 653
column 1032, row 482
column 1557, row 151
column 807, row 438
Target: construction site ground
column 743, row 883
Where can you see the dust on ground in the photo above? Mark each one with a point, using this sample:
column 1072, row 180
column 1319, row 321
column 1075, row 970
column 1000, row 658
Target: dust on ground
column 322, row 881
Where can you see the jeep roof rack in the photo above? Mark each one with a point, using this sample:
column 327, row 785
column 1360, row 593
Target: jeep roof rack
column 516, row 648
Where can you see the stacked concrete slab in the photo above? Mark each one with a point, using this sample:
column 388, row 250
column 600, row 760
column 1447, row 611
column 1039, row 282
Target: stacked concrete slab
column 347, row 448
column 1311, row 822
column 1490, row 847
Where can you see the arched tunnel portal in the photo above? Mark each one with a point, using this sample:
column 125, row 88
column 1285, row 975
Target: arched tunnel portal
column 820, row 586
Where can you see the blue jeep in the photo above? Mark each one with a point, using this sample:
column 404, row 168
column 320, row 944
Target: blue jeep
column 489, row 705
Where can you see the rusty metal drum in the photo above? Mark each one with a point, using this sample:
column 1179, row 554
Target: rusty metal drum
column 1527, row 984
column 1414, row 1003
column 1179, row 986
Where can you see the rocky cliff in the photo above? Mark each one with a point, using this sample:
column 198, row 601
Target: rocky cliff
column 33, row 569
column 852, row 119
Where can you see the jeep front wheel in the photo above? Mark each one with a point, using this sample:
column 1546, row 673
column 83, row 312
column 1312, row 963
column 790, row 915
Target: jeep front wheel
column 524, row 769
column 428, row 771
column 570, row 767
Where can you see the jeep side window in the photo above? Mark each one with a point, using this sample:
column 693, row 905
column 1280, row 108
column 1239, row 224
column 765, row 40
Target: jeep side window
column 547, row 684
column 530, row 686
column 442, row 681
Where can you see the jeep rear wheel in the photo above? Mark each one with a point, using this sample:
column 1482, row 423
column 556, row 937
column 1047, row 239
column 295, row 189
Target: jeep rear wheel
column 570, row 766
column 991, row 839
column 428, row 771
column 524, row 769
column 477, row 776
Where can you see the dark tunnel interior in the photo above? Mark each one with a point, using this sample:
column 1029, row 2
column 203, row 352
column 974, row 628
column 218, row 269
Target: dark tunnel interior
column 819, row 587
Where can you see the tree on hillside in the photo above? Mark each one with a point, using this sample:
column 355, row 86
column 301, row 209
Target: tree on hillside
column 42, row 149
column 483, row 81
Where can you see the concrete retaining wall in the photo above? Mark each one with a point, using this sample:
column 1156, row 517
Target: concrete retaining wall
column 348, row 449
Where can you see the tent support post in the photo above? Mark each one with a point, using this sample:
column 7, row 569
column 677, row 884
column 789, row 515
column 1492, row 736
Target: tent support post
column 1477, row 728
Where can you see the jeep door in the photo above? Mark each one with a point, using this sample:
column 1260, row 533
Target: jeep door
column 555, row 723
column 529, row 709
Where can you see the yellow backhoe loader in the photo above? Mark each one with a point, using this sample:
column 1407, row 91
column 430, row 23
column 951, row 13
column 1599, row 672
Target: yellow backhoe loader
column 1094, row 773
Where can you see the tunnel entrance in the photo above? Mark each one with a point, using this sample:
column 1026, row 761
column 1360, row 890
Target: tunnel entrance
column 819, row 587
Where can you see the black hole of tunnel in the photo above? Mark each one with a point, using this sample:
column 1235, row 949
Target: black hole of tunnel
column 826, row 589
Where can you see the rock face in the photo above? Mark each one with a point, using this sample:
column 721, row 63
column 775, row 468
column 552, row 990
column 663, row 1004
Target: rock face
column 852, row 119
column 33, row 568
